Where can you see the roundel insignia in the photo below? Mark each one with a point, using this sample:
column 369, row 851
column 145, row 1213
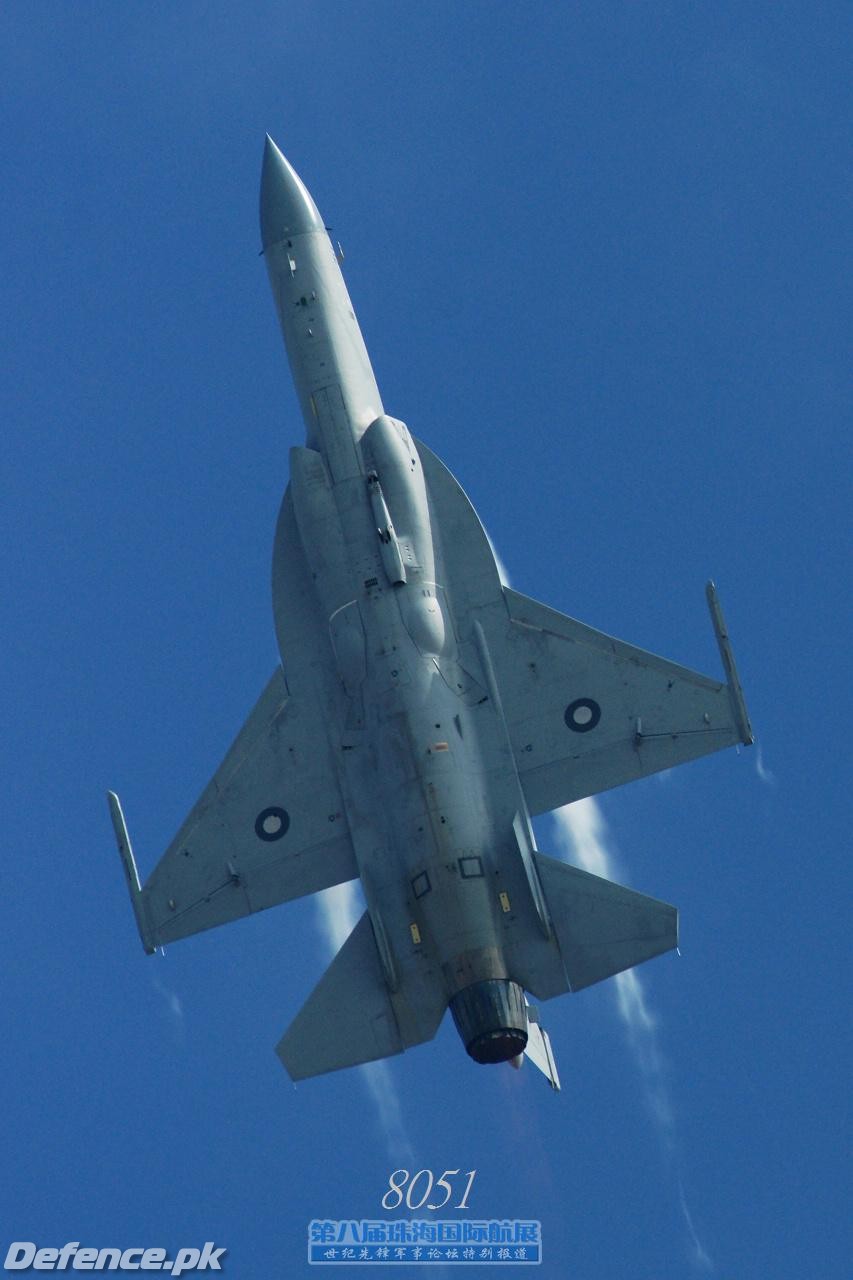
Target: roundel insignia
column 271, row 824
column 582, row 715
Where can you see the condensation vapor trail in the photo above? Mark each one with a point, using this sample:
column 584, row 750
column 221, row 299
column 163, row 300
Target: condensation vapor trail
column 761, row 769
column 173, row 1004
column 338, row 912
column 583, row 838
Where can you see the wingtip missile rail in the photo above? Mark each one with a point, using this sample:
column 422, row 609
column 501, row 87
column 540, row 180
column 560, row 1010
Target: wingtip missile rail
column 131, row 874
column 727, row 656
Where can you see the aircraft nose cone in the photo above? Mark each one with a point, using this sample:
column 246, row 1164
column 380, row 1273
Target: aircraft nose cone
column 286, row 205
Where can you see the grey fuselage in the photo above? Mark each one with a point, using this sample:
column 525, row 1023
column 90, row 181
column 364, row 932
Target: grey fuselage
column 415, row 774
column 422, row 711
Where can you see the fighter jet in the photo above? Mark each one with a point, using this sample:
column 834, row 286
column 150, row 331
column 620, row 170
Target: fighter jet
column 422, row 714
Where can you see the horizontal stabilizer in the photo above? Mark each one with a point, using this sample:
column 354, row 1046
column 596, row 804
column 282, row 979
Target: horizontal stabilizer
column 603, row 928
column 349, row 1018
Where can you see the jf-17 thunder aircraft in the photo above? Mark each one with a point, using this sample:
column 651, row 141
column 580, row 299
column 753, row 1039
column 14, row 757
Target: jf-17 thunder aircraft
column 422, row 714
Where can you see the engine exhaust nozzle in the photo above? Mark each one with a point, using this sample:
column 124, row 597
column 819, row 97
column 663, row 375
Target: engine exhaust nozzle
column 491, row 1018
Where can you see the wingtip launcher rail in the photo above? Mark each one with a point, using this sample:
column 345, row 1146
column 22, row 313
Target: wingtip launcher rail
column 735, row 689
column 130, row 872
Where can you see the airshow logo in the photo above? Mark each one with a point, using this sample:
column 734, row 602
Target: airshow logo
column 24, row 1254
column 403, row 1241
column 407, row 1241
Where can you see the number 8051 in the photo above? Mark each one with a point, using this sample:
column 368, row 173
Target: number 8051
column 421, row 1187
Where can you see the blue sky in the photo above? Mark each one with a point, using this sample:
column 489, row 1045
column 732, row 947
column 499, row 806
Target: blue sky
column 600, row 256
